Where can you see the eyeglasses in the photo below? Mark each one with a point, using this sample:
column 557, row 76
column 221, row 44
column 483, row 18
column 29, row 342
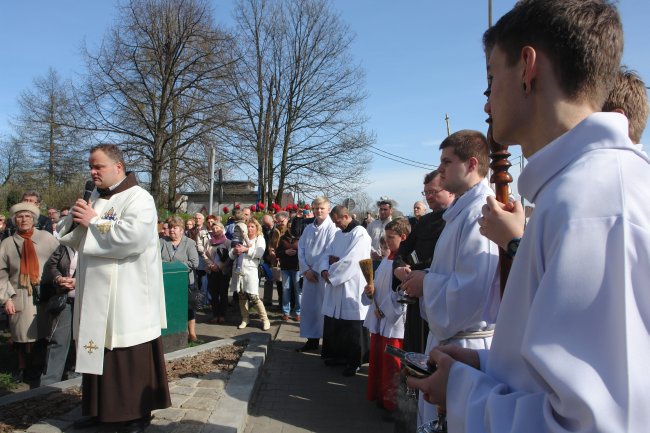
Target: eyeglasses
column 432, row 192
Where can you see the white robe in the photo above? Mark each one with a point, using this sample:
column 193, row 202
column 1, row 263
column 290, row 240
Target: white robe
column 376, row 230
column 342, row 298
column 460, row 292
column 392, row 324
column 311, row 247
column 120, row 297
column 571, row 348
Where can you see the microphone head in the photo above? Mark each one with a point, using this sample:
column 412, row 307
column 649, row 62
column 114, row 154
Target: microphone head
column 88, row 189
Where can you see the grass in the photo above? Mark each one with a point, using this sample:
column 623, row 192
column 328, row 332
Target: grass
column 7, row 382
column 7, row 363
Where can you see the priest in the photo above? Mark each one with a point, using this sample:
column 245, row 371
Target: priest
column 344, row 339
column 120, row 306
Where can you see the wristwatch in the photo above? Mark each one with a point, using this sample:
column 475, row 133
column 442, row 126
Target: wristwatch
column 513, row 245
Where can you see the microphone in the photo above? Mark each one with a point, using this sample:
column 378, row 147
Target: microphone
column 88, row 190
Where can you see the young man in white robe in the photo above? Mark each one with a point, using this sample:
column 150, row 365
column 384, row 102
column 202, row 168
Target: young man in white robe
column 459, row 294
column 345, row 341
column 311, row 247
column 120, row 305
column 571, row 344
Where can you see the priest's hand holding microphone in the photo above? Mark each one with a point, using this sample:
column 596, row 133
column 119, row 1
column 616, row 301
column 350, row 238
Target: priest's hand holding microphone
column 82, row 211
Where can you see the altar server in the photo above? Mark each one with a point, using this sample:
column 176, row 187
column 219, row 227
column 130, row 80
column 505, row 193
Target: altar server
column 571, row 344
column 311, row 247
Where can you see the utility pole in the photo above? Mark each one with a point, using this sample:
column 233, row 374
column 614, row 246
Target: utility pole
column 447, row 122
column 212, row 158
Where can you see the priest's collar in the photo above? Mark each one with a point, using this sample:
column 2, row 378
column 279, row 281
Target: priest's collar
column 126, row 183
column 350, row 226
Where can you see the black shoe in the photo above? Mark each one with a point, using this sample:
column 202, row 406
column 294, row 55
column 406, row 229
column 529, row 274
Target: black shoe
column 136, row 426
column 350, row 370
column 308, row 346
column 333, row 362
column 85, row 422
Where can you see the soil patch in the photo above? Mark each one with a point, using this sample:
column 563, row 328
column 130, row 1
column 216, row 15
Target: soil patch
column 21, row 415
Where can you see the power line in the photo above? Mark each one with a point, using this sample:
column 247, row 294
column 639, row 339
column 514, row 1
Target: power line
column 401, row 157
column 423, row 167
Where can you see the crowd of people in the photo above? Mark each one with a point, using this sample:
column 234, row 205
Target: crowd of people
column 525, row 360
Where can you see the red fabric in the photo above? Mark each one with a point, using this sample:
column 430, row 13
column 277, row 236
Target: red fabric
column 383, row 371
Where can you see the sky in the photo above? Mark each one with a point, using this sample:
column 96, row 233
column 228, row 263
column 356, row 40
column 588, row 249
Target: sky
column 423, row 60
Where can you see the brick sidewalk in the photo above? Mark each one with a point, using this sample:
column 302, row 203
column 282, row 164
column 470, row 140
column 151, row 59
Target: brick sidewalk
column 298, row 393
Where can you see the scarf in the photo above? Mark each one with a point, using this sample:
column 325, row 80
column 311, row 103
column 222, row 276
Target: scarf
column 217, row 240
column 29, row 266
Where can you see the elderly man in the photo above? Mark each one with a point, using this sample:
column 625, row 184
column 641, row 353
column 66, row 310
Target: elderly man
column 120, row 305
column 345, row 341
column 419, row 210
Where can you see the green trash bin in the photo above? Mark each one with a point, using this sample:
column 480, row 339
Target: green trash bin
column 175, row 282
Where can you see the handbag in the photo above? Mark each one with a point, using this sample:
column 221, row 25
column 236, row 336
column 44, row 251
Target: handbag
column 277, row 274
column 195, row 298
column 56, row 303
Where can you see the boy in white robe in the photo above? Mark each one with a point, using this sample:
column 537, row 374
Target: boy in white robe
column 385, row 321
column 459, row 293
column 311, row 247
column 571, row 345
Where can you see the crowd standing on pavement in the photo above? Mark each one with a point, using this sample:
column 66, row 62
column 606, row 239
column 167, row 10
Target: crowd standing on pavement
column 500, row 363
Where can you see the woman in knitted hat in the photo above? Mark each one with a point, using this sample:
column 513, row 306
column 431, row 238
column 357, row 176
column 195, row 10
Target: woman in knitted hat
column 22, row 257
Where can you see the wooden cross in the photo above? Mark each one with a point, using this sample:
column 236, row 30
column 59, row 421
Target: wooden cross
column 91, row 346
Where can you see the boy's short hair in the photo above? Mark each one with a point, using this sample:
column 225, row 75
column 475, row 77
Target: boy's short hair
column 629, row 94
column 582, row 38
column 401, row 226
column 320, row 200
column 467, row 144
column 238, row 215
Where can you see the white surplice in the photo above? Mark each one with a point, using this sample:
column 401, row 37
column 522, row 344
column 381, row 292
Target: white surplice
column 342, row 298
column 311, row 247
column 571, row 347
column 460, row 291
column 120, row 298
column 391, row 325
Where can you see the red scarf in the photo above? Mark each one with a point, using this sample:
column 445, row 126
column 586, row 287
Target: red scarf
column 29, row 266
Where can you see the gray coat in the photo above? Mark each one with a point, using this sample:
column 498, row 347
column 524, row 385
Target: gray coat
column 186, row 253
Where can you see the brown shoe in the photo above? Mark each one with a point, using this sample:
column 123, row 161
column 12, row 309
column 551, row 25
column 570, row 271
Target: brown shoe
column 285, row 318
column 297, row 319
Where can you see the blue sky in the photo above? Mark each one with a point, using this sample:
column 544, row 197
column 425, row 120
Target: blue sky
column 422, row 58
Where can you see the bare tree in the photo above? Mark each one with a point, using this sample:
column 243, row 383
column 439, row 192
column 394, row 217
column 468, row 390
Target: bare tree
column 43, row 132
column 299, row 95
column 156, row 86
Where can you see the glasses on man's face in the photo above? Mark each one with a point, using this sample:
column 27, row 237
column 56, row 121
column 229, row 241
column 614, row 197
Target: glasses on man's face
column 431, row 192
